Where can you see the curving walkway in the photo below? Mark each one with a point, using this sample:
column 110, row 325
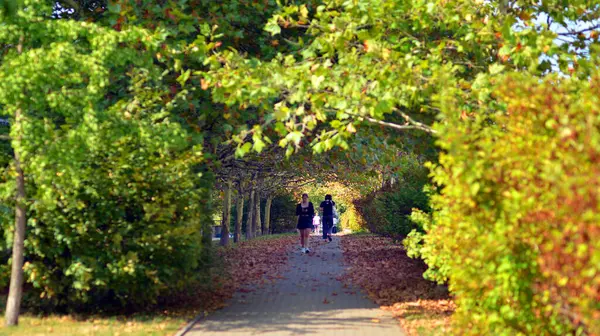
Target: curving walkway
column 308, row 299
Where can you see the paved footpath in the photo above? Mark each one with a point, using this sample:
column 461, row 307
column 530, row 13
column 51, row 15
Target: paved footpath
column 307, row 300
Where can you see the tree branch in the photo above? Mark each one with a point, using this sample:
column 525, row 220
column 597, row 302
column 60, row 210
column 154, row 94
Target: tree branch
column 399, row 127
column 577, row 32
column 417, row 124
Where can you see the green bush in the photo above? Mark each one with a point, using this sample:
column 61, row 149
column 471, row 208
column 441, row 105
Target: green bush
column 113, row 225
column 515, row 229
column 115, row 190
column 388, row 210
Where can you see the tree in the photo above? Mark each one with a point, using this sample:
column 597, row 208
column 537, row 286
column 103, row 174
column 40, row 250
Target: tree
column 226, row 214
column 251, row 209
column 13, row 304
column 267, row 222
column 256, row 222
column 119, row 192
column 433, row 67
column 240, row 216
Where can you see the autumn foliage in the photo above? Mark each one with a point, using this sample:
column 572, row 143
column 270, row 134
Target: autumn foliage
column 516, row 228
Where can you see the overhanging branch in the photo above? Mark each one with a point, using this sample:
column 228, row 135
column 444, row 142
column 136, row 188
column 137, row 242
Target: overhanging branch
column 399, row 127
column 410, row 123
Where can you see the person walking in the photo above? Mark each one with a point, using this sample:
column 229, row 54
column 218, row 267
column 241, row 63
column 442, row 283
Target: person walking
column 316, row 223
column 326, row 208
column 305, row 212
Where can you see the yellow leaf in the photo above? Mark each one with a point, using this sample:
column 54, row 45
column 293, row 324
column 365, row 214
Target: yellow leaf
column 350, row 128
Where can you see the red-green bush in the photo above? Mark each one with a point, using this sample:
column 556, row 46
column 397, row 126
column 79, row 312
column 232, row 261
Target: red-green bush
column 517, row 226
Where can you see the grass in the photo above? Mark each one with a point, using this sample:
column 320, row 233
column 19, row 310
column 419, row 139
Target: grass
column 141, row 324
column 276, row 236
column 32, row 325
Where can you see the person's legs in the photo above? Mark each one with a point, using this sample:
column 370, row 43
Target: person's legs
column 301, row 231
column 307, row 238
column 327, row 224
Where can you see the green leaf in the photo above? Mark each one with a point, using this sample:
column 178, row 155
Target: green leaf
column 316, row 81
column 259, row 144
column 496, row 68
column 295, row 137
column 273, row 27
column 183, row 78
column 114, row 7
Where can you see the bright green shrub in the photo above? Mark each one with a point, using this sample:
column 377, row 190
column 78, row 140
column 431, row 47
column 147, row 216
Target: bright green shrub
column 516, row 227
column 117, row 225
column 352, row 219
column 117, row 198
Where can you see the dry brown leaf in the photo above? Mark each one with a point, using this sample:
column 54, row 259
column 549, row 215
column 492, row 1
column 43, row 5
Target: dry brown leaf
column 394, row 281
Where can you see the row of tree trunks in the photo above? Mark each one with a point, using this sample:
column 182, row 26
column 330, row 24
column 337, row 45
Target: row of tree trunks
column 254, row 225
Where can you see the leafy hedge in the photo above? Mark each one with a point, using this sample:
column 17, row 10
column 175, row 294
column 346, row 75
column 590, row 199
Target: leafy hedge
column 387, row 211
column 516, row 227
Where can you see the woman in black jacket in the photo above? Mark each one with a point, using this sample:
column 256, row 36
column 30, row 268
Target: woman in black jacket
column 305, row 212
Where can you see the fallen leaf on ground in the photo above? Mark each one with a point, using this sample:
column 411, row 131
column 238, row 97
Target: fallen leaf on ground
column 248, row 263
column 394, row 281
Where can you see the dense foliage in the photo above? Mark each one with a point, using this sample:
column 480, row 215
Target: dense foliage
column 522, row 194
column 119, row 141
column 388, row 210
column 118, row 195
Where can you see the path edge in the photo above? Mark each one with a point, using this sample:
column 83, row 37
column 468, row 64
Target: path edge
column 202, row 315
column 183, row 330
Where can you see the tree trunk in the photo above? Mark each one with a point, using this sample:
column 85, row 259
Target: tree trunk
column 267, row 228
column 13, row 305
column 226, row 215
column 256, row 221
column 208, row 231
column 249, row 228
column 237, row 235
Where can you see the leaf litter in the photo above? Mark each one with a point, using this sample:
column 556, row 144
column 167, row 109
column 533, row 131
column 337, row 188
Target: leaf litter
column 242, row 267
column 395, row 282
